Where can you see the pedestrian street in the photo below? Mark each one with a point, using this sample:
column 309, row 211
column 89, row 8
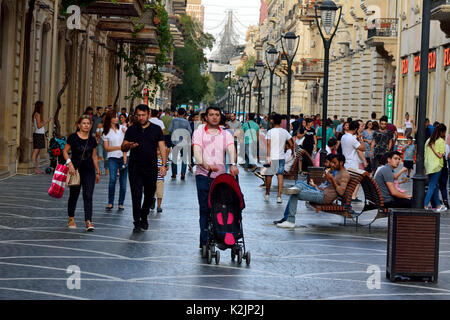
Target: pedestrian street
column 319, row 259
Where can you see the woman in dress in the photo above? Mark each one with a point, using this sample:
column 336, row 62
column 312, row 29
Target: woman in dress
column 38, row 134
column 367, row 137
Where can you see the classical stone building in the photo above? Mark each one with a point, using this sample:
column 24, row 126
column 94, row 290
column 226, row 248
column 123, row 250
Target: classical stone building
column 95, row 76
column 372, row 58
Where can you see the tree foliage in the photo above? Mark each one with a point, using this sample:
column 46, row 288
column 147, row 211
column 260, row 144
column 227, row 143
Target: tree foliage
column 191, row 60
column 249, row 63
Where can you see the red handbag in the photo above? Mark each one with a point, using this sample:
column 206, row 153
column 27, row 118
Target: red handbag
column 56, row 190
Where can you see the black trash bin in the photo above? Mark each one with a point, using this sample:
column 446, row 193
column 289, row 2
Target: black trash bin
column 413, row 245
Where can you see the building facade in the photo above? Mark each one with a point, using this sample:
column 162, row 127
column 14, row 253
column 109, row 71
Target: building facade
column 95, row 75
column 372, row 58
column 196, row 10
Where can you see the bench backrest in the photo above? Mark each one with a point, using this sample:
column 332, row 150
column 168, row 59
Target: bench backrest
column 316, row 174
column 372, row 192
column 293, row 173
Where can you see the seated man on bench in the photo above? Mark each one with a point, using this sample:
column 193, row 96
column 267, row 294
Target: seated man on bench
column 322, row 195
column 384, row 177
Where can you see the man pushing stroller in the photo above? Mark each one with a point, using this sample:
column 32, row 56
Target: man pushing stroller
column 210, row 144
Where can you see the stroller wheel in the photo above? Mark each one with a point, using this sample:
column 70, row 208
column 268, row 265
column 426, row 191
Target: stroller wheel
column 217, row 255
column 233, row 254
column 248, row 258
column 239, row 261
column 209, row 258
column 204, row 251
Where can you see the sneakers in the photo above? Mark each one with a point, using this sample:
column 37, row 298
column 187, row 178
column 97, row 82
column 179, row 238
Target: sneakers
column 441, row 208
column 89, row 226
column 291, row 190
column 279, row 221
column 159, row 210
column 266, row 197
column 71, row 224
column 279, row 200
column 286, row 224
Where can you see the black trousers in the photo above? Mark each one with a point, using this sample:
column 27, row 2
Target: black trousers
column 142, row 180
column 87, row 182
column 399, row 203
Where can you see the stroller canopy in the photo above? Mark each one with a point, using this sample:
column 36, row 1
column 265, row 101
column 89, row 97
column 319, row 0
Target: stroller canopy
column 230, row 181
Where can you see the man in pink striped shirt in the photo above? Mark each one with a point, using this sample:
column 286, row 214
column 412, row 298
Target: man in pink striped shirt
column 210, row 143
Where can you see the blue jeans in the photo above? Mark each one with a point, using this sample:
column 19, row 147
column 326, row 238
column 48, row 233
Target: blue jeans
column 307, row 193
column 202, row 195
column 433, row 189
column 114, row 164
column 175, row 164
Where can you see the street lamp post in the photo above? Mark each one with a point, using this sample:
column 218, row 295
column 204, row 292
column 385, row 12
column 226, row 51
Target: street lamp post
column 289, row 50
column 245, row 84
column 250, row 78
column 327, row 15
column 241, row 86
column 271, row 61
column 260, row 70
column 419, row 179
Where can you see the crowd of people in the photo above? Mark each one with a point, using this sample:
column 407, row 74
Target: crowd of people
column 138, row 145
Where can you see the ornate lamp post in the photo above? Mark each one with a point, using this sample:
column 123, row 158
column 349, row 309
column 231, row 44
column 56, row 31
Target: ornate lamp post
column 326, row 13
column 240, row 84
column 289, row 43
column 260, row 70
column 272, row 62
column 245, row 84
column 250, row 78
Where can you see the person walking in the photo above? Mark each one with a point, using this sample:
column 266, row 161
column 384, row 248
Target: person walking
column 329, row 134
column 167, row 120
column 277, row 138
column 113, row 135
column 179, row 123
column 434, row 163
column 381, row 143
column 251, row 140
column 409, row 126
column 210, row 144
column 309, row 143
column 83, row 159
column 38, row 134
column 142, row 139
column 367, row 137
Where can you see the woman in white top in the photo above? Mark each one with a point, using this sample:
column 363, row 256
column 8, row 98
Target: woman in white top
column 113, row 135
column 409, row 125
column 38, row 134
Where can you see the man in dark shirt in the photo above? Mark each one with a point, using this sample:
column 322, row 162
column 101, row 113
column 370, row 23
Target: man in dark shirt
column 143, row 138
column 381, row 143
column 308, row 144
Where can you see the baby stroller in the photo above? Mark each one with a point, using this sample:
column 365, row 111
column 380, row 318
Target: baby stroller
column 226, row 203
column 55, row 150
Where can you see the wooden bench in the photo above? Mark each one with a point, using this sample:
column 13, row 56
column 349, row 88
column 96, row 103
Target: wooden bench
column 343, row 206
column 293, row 173
column 316, row 174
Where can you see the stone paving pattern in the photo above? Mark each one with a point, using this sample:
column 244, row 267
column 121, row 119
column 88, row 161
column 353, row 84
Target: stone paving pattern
column 319, row 259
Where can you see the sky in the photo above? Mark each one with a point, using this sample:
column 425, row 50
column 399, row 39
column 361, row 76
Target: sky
column 246, row 13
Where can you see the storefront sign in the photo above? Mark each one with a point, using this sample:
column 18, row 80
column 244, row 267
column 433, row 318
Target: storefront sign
column 431, row 61
column 389, row 105
column 405, row 66
column 447, row 57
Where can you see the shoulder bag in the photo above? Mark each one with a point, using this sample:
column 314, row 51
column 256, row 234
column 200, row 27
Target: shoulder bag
column 75, row 180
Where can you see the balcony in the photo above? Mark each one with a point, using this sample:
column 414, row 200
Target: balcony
column 440, row 10
column 383, row 35
column 147, row 35
column 310, row 69
column 307, row 12
column 179, row 7
column 128, row 8
column 115, row 24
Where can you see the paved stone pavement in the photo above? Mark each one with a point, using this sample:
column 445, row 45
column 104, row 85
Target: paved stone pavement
column 319, row 259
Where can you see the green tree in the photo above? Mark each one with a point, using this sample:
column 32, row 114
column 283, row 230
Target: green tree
column 249, row 63
column 220, row 89
column 191, row 59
